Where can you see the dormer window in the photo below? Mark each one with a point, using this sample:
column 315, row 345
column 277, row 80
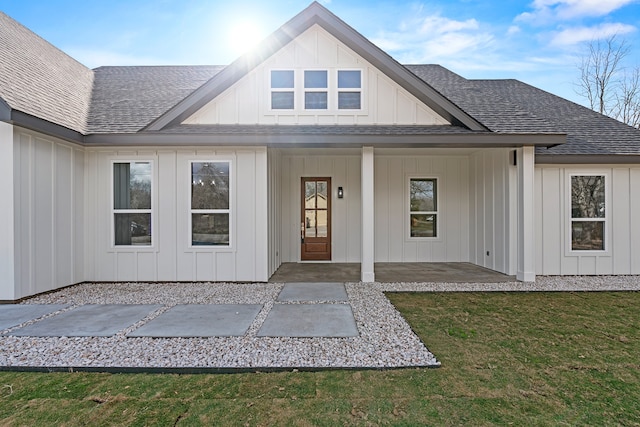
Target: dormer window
column 282, row 90
column 316, row 85
column 349, row 89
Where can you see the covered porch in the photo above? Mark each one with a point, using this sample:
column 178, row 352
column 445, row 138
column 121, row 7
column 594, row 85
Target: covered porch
column 481, row 203
column 389, row 272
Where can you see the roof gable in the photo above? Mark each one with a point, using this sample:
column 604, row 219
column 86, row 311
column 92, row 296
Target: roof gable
column 382, row 100
column 316, row 14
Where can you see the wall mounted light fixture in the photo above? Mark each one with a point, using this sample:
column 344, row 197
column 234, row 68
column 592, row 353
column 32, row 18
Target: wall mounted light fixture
column 340, row 193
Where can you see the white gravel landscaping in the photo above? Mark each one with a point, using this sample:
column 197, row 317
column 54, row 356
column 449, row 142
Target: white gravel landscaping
column 385, row 339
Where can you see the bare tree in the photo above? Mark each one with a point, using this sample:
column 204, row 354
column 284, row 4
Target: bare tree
column 628, row 99
column 608, row 87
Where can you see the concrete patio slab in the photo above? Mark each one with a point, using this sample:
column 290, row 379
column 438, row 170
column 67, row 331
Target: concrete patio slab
column 200, row 320
column 309, row 320
column 389, row 272
column 91, row 320
column 321, row 291
column 296, row 272
column 13, row 315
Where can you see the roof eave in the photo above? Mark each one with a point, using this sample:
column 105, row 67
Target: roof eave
column 27, row 121
column 587, row 159
column 471, row 140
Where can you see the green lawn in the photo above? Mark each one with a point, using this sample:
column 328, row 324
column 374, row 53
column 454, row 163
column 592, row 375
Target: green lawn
column 507, row 358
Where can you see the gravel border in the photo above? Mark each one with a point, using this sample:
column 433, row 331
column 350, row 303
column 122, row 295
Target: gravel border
column 385, row 341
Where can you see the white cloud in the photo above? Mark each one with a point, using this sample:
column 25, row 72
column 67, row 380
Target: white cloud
column 576, row 35
column 433, row 39
column 514, row 29
column 545, row 11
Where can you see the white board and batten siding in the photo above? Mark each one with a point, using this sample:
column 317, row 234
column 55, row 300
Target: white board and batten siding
column 493, row 210
column 49, row 213
column 248, row 100
column 391, row 200
column 344, row 171
column 171, row 258
column 553, row 211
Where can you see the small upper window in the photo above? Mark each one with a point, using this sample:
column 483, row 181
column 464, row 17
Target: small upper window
column 349, row 89
column 588, row 212
column 423, row 207
column 132, row 203
column 315, row 90
column 282, row 89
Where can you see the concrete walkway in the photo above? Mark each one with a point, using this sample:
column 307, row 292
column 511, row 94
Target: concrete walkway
column 292, row 315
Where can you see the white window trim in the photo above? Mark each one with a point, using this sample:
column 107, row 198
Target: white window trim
column 408, row 212
column 210, row 248
column 152, row 211
column 569, row 251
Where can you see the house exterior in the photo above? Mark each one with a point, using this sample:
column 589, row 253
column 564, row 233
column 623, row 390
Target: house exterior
column 315, row 147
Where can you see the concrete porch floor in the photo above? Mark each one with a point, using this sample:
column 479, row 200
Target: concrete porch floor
column 389, row 272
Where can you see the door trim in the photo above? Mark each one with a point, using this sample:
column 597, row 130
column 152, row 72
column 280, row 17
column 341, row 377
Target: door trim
column 315, row 244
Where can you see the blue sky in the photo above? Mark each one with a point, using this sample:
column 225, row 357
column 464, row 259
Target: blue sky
column 536, row 41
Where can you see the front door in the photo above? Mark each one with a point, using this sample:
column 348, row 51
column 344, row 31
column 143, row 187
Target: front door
column 315, row 225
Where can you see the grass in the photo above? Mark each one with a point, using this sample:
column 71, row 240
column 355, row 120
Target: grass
column 507, row 358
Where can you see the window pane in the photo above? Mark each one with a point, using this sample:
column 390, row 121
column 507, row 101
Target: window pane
column 423, row 225
column 315, row 79
column 133, row 229
column 210, row 229
column 315, row 100
column 349, row 100
column 282, row 79
column 587, row 197
column 349, row 79
column 310, row 223
column 587, row 235
column 132, row 185
column 423, row 196
column 210, row 185
column 282, row 100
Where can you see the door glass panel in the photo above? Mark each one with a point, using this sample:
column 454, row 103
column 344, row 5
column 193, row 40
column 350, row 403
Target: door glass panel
column 310, row 222
column 322, row 194
column 310, row 194
column 321, row 216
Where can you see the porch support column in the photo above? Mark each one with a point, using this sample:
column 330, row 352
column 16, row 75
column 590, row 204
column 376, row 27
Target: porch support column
column 526, row 235
column 366, row 268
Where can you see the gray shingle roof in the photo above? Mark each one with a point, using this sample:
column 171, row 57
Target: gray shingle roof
column 41, row 80
column 587, row 132
column 514, row 106
column 126, row 99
